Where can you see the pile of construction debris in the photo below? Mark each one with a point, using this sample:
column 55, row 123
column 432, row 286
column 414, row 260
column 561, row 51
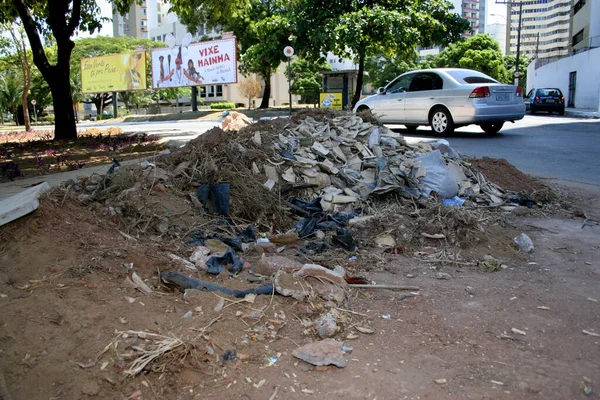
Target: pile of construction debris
column 312, row 168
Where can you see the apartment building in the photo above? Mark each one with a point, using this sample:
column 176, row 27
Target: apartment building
column 134, row 23
column 585, row 25
column 473, row 11
column 545, row 28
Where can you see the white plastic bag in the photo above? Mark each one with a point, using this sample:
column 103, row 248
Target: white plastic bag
column 437, row 176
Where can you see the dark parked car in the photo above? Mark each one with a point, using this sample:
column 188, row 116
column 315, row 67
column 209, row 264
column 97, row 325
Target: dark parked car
column 545, row 99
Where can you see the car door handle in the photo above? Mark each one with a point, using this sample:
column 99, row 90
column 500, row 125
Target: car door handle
column 399, row 99
column 432, row 98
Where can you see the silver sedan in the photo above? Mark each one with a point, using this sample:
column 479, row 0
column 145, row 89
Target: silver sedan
column 445, row 99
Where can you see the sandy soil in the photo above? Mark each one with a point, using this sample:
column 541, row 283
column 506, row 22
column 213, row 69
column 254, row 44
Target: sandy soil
column 62, row 305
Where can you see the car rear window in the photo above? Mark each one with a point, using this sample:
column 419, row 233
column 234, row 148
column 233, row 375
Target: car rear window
column 467, row 76
column 550, row 92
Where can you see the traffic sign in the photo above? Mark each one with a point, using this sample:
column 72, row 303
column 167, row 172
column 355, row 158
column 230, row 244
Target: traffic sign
column 33, row 102
column 517, row 74
column 288, row 51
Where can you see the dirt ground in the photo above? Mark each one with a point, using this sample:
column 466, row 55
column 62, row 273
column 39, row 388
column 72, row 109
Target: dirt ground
column 62, row 305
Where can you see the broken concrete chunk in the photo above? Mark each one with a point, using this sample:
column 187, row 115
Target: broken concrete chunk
column 325, row 352
column 326, row 325
column 524, row 242
column 317, row 271
column 271, row 173
column 269, row 265
column 319, row 148
column 21, row 204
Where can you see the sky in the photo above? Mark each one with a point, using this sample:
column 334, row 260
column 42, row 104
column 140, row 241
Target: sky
column 106, row 11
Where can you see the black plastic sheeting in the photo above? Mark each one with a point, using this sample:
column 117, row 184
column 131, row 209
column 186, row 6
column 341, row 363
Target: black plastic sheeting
column 214, row 198
column 217, row 264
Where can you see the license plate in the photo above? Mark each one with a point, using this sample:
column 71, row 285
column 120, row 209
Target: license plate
column 502, row 97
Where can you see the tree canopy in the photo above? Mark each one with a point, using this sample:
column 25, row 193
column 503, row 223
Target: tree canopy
column 364, row 28
column 57, row 19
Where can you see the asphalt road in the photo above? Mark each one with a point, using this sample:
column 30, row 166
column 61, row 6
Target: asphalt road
column 563, row 148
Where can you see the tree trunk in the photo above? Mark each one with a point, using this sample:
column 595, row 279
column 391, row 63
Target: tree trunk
column 64, row 118
column 57, row 76
column 26, row 111
column 267, row 92
column 359, row 79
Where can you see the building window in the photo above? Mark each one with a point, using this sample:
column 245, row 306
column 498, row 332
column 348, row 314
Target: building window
column 126, row 27
column 212, row 91
column 578, row 6
column 578, row 37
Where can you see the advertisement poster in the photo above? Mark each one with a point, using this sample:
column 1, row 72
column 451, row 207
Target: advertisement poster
column 114, row 73
column 331, row 100
column 205, row 63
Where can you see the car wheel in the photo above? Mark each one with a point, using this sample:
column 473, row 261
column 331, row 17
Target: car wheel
column 492, row 128
column 561, row 111
column 441, row 121
column 362, row 109
column 411, row 128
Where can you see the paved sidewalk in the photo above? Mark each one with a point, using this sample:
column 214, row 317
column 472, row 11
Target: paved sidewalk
column 12, row 188
column 582, row 113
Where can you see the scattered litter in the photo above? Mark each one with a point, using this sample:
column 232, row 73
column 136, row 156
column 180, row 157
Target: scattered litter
column 518, row 331
column 592, row 300
column 454, row 202
column 544, row 308
column 591, row 333
column 229, row 355
column 497, row 383
column 187, row 314
column 441, row 381
column 524, row 243
column 140, row 284
column 586, row 386
column 260, row 384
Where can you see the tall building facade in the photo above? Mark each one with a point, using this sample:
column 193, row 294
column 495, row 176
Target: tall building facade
column 474, row 12
column 585, row 25
column 545, row 28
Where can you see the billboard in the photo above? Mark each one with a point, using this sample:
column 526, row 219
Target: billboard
column 331, row 100
column 114, row 73
column 205, row 63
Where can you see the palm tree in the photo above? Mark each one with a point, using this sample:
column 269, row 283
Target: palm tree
column 11, row 89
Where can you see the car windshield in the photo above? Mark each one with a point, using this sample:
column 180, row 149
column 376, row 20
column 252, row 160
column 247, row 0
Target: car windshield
column 468, row 76
column 549, row 92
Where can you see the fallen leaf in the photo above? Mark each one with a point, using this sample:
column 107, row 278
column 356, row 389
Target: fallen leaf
column 135, row 395
column 352, row 336
column 250, row 297
column 367, row 331
column 220, row 305
column 518, row 331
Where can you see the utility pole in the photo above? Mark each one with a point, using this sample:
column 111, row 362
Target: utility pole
column 517, row 73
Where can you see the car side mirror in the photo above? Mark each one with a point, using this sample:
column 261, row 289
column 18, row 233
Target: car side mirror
column 381, row 90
